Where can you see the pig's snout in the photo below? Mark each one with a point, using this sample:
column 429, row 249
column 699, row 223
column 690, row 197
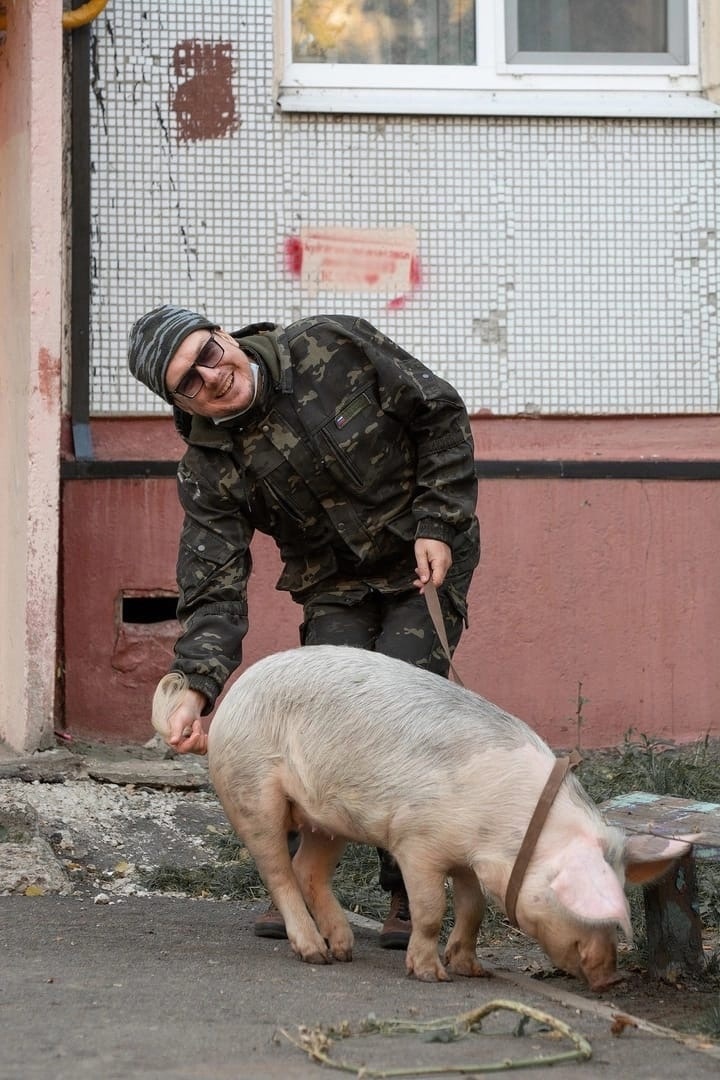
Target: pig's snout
column 598, row 959
column 605, row 982
column 588, row 953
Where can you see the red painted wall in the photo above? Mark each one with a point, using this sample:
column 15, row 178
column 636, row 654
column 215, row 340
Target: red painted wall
column 605, row 590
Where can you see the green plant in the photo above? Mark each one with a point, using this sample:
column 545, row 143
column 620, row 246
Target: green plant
column 580, row 702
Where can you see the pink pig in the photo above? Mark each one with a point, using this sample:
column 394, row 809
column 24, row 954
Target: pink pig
column 345, row 744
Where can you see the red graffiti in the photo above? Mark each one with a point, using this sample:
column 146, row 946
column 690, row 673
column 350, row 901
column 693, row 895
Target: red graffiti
column 48, row 377
column 204, row 104
column 293, row 255
column 416, row 279
column 372, row 260
column 415, row 272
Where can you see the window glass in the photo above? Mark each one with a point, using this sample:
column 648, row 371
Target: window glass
column 617, row 28
column 383, row 31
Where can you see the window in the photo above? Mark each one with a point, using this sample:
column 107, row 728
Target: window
column 384, row 31
column 615, row 32
column 544, row 57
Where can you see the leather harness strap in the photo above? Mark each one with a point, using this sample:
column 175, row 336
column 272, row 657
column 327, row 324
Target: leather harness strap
column 522, row 860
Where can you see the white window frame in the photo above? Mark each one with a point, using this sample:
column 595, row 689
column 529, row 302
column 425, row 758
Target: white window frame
column 494, row 85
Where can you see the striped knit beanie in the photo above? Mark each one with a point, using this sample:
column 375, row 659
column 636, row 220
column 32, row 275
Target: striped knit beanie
column 155, row 338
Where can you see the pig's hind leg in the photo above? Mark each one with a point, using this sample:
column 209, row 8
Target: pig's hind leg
column 460, row 954
column 314, row 865
column 263, row 828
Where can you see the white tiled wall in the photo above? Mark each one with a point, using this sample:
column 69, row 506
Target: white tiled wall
column 567, row 265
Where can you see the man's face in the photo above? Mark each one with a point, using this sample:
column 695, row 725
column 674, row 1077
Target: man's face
column 219, row 391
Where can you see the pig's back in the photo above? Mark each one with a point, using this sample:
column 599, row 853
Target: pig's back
column 335, row 702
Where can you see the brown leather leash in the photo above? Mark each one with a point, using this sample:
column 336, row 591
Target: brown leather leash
column 547, row 795
column 433, row 606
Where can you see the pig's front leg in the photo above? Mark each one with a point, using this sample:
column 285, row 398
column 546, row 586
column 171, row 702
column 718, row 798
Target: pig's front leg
column 314, row 865
column 426, row 892
column 469, row 904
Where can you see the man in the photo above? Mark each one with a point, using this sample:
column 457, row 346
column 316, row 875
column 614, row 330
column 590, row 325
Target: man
column 354, row 457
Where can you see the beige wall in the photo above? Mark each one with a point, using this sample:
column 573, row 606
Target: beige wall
column 30, row 315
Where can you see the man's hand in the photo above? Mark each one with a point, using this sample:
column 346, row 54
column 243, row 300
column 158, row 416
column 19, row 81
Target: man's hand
column 433, row 559
column 187, row 735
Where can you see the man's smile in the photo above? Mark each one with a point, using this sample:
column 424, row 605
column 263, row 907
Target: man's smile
column 227, row 385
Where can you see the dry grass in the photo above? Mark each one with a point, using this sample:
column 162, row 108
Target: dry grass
column 643, row 764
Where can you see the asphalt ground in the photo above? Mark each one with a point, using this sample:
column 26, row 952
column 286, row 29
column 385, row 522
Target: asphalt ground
column 163, row 987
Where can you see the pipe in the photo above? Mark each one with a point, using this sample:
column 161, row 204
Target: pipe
column 71, row 20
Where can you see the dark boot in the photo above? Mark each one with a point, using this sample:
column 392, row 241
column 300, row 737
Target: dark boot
column 270, row 924
column 397, row 928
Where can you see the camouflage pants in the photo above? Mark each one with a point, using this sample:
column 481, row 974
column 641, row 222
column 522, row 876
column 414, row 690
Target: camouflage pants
column 396, row 624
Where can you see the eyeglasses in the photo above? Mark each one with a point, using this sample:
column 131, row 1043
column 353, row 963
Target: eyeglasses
column 192, row 381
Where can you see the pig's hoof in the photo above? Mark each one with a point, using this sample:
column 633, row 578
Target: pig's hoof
column 340, row 943
column 316, row 958
column 435, row 973
column 432, row 976
column 469, row 969
column 311, row 955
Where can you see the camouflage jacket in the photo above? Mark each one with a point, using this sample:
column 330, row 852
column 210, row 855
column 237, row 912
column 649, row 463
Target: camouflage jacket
column 358, row 450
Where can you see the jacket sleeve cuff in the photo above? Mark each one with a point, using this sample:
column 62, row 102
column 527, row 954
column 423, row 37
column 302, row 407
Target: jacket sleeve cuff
column 434, row 529
column 204, row 685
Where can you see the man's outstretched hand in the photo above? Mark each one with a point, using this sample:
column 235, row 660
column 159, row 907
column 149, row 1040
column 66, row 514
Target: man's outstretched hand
column 187, row 734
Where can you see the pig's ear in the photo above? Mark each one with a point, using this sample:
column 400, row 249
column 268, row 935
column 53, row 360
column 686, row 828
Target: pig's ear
column 649, row 857
column 590, row 891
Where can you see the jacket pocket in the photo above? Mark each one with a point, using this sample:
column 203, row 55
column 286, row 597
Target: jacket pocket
column 207, row 546
column 282, row 502
column 357, row 439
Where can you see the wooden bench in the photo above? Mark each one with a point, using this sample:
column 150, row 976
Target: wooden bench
column 672, row 915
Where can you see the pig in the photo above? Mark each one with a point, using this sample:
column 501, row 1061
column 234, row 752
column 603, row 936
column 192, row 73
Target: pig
column 343, row 744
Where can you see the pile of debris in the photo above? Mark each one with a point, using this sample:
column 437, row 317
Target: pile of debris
column 95, row 819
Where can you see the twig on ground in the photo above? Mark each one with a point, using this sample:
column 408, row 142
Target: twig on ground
column 317, row 1043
